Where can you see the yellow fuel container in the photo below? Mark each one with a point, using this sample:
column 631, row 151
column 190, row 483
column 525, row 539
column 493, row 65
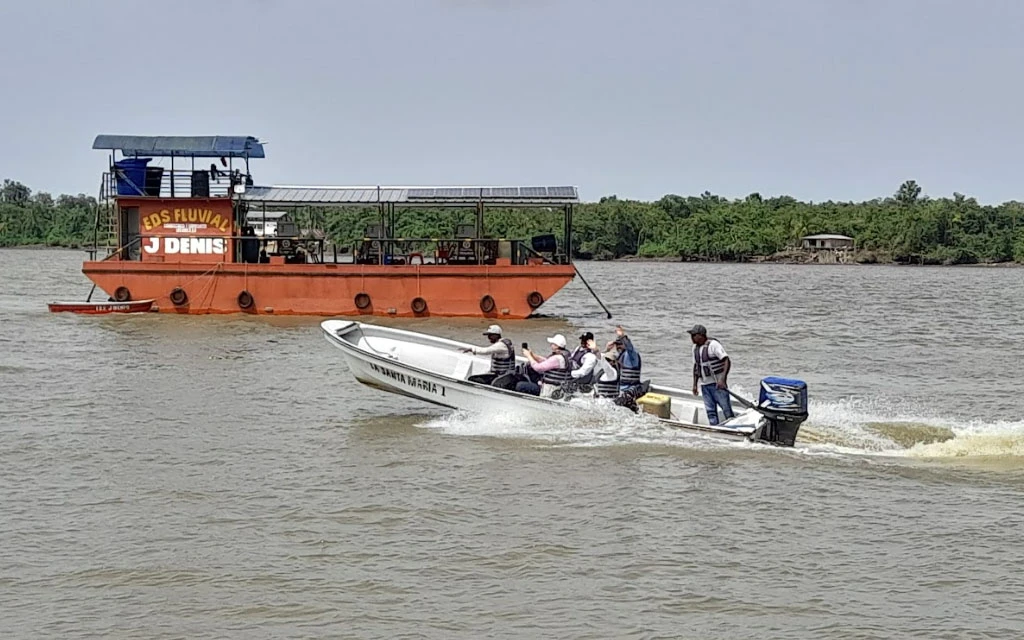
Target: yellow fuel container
column 657, row 404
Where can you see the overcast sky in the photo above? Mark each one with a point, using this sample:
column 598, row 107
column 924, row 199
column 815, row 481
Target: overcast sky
column 817, row 99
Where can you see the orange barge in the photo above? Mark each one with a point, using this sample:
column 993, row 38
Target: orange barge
column 208, row 240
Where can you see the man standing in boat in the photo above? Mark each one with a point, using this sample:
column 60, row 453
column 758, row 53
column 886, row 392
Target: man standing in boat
column 555, row 369
column 503, row 356
column 711, row 367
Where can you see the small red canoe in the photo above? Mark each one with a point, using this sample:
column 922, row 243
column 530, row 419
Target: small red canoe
column 132, row 306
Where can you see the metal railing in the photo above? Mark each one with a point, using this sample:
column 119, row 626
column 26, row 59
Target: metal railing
column 165, row 183
column 313, row 250
column 452, row 251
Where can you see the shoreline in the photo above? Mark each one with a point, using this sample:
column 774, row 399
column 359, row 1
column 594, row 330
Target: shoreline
column 43, row 247
column 770, row 260
column 759, row 260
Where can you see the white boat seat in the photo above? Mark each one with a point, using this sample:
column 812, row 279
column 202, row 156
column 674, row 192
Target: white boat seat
column 462, row 368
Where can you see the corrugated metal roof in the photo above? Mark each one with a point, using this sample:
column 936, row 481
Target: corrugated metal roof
column 257, row 214
column 190, row 146
column 325, row 195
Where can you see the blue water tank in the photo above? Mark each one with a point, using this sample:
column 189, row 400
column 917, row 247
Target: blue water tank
column 785, row 395
column 130, row 176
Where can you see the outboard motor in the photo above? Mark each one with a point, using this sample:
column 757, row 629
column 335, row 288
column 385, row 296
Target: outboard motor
column 783, row 403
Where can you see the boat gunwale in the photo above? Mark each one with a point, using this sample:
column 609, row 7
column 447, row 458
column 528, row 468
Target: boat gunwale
column 331, row 269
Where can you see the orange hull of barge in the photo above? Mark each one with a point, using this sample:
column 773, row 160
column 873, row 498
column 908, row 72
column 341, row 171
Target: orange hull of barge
column 332, row 289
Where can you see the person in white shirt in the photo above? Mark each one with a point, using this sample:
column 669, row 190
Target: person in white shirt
column 503, row 356
column 584, row 358
column 711, row 367
column 606, row 377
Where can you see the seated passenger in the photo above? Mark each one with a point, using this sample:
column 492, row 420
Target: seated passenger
column 555, row 368
column 503, row 356
column 606, row 377
column 627, row 359
column 583, row 359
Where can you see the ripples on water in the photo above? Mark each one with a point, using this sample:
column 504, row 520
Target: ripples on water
column 224, row 476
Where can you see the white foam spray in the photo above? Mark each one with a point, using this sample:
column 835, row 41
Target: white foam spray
column 873, row 427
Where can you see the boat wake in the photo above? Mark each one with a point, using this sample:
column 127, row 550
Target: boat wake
column 880, row 429
column 603, row 425
column 840, row 428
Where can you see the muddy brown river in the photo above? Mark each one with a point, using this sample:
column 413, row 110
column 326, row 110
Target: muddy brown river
column 190, row 477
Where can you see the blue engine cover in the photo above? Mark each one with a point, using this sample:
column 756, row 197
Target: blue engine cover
column 784, row 395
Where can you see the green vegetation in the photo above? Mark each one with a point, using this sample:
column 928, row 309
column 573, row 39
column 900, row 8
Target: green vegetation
column 28, row 218
column 907, row 227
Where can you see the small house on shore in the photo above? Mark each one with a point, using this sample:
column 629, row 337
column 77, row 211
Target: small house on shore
column 271, row 223
column 827, row 242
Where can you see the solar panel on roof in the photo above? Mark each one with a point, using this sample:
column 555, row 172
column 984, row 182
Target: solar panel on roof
column 460, row 195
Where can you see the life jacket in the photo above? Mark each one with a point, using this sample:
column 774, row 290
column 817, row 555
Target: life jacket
column 704, row 364
column 606, row 388
column 502, row 364
column 578, row 363
column 577, row 356
column 629, row 365
column 629, row 376
column 560, row 374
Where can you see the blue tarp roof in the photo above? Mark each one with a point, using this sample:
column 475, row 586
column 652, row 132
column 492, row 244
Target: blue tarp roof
column 189, row 146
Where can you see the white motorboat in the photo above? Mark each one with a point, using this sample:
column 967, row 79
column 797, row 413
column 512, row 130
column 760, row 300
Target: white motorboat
column 435, row 370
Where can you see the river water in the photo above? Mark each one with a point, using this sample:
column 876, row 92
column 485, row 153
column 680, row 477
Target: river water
column 167, row 476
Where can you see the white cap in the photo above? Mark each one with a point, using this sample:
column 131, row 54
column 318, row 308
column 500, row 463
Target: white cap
column 493, row 329
column 558, row 339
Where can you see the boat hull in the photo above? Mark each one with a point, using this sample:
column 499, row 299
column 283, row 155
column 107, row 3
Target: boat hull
column 98, row 308
column 332, row 289
column 381, row 369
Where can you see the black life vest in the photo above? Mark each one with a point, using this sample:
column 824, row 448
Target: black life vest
column 607, row 388
column 560, row 374
column 577, row 356
column 629, row 376
column 628, row 364
column 502, row 364
column 706, row 365
column 578, row 364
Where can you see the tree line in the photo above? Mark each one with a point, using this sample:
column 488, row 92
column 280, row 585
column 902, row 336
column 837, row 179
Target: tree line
column 905, row 227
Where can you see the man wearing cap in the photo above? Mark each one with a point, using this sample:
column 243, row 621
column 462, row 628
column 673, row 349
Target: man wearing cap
column 606, row 376
column 711, row 372
column 627, row 359
column 555, row 368
column 503, row 356
column 584, row 357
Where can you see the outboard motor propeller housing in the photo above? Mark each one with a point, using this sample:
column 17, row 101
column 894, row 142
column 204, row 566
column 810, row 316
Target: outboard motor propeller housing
column 783, row 403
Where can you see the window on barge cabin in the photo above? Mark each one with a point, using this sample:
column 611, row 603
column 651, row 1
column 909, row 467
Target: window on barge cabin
column 130, row 235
